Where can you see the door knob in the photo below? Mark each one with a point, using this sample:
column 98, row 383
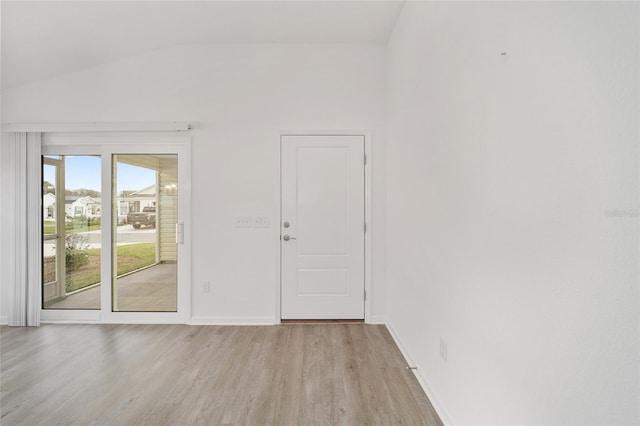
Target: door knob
column 287, row 238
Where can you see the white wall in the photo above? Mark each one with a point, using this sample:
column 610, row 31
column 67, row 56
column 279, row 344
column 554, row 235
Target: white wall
column 3, row 299
column 502, row 172
column 236, row 97
column 3, row 288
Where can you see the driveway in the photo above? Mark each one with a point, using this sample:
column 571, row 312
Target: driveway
column 125, row 234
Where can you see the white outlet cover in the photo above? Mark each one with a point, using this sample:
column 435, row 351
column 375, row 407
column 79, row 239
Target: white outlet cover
column 243, row 221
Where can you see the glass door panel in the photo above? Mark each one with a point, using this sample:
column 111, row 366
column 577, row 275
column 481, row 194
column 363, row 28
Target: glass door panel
column 52, row 284
column 144, row 218
column 71, row 238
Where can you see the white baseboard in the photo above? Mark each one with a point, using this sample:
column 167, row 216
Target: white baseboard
column 377, row 319
column 232, row 321
column 4, row 320
column 428, row 390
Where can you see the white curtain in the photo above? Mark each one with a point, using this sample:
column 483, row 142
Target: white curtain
column 21, row 227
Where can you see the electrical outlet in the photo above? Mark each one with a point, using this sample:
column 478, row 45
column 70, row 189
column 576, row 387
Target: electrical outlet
column 206, row 286
column 261, row 221
column 443, row 349
column 243, row 222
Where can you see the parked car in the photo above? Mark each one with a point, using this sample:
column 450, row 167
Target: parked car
column 147, row 217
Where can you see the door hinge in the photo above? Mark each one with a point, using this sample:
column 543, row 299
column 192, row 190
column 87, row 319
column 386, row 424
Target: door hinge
column 365, row 227
column 365, row 294
column 365, row 159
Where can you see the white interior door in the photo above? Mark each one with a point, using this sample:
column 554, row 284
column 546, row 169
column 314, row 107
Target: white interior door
column 322, row 227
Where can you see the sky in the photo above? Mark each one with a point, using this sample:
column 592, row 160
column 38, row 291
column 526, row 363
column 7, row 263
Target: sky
column 85, row 172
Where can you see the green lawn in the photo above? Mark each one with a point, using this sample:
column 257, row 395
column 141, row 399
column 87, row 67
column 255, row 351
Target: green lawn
column 49, row 227
column 130, row 258
column 135, row 256
column 83, row 229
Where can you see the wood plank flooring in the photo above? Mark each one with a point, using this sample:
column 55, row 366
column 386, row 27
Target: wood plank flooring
column 294, row 374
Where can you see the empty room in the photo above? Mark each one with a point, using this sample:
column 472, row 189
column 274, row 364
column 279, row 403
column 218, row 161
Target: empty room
column 320, row 213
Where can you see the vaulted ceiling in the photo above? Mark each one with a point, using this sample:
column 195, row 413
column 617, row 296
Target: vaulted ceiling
column 42, row 39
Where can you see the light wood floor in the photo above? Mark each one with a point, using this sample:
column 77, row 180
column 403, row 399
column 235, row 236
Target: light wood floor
column 294, row 374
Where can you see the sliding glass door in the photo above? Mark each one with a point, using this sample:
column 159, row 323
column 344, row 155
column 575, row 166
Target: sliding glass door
column 113, row 219
column 71, row 223
column 145, row 217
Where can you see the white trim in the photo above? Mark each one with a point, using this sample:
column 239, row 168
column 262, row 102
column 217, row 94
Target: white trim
column 97, row 127
column 75, row 316
column 93, row 140
column 368, row 208
column 277, row 315
column 69, row 149
column 144, row 317
column 378, row 319
column 368, row 218
column 70, row 316
column 428, row 390
column 206, row 320
column 106, row 267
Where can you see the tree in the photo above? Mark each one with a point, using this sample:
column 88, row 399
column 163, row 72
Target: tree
column 48, row 188
column 82, row 192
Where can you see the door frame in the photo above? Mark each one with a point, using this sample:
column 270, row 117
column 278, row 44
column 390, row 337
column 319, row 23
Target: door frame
column 368, row 208
column 105, row 144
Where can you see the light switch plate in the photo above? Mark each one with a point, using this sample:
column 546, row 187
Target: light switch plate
column 243, row 222
column 261, row 221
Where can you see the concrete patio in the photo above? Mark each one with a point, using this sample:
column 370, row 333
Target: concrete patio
column 153, row 289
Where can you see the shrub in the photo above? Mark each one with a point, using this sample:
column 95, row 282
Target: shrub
column 82, row 222
column 76, row 242
column 76, row 251
column 78, row 222
column 75, row 259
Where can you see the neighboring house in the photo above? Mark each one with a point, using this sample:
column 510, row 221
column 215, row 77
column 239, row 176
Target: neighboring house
column 76, row 205
column 136, row 201
column 82, row 206
column 49, row 206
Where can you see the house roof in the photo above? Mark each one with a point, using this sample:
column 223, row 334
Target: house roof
column 84, row 199
column 149, row 191
column 70, row 199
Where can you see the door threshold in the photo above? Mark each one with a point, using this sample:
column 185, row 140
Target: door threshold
column 322, row 321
